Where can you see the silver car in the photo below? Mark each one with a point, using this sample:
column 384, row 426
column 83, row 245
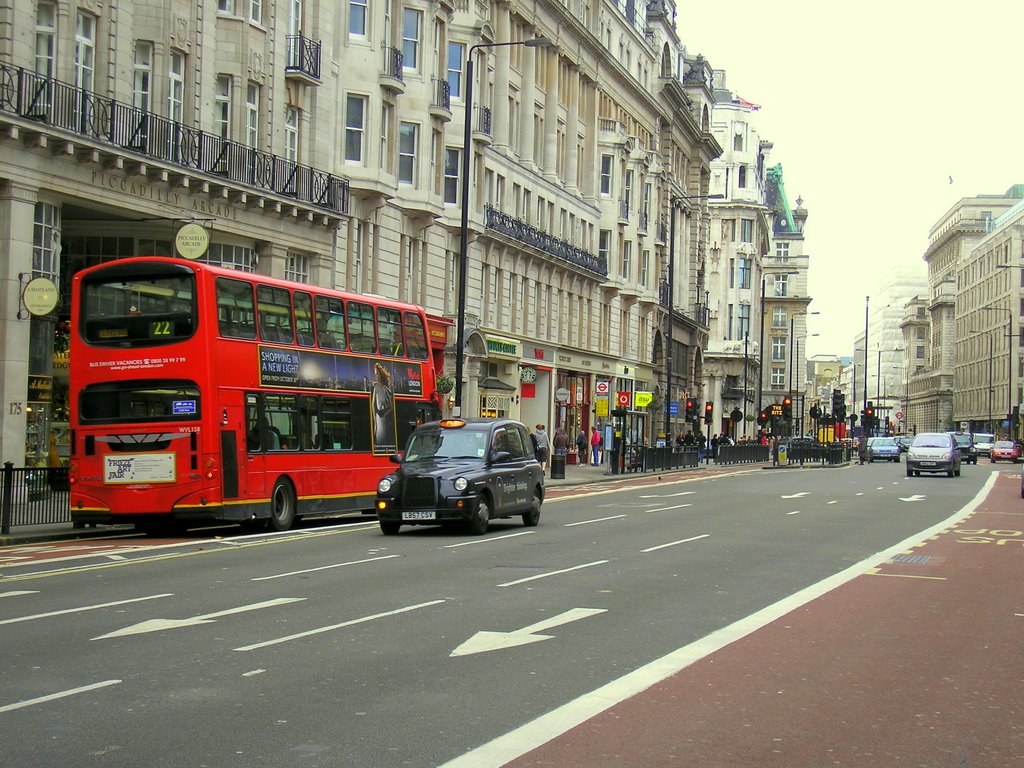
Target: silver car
column 933, row 452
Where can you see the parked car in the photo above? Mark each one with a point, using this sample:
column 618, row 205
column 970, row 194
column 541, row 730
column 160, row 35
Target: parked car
column 968, row 453
column 903, row 441
column 883, row 448
column 462, row 470
column 1005, row 450
column 934, row 452
column 983, row 442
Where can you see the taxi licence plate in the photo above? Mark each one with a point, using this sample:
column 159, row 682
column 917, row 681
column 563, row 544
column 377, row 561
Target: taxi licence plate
column 418, row 514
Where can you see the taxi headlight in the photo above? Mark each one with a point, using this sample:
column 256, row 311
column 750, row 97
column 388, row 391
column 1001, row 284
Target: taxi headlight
column 384, row 485
column 461, row 484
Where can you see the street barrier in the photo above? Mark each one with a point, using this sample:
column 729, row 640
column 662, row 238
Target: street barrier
column 744, row 453
column 33, row 496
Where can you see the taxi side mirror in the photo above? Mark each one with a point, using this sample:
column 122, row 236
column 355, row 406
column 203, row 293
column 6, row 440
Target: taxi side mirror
column 397, row 458
column 500, row 457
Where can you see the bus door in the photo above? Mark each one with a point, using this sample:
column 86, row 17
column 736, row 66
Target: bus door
column 252, row 459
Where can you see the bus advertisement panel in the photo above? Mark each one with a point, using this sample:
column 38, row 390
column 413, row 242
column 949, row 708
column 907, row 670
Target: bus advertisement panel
column 201, row 393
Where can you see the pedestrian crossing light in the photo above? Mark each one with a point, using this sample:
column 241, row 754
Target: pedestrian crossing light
column 787, row 407
column 709, row 410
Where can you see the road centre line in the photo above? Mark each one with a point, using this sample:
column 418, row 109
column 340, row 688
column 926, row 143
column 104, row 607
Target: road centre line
column 668, row 495
column 19, row 592
column 58, row 695
column 323, row 568
column 673, row 543
column 342, row 625
column 552, row 573
column 488, row 540
column 666, row 509
column 596, row 520
column 795, row 512
column 83, row 608
column 514, row 744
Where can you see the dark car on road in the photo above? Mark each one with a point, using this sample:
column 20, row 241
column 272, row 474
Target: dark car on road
column 968, row 451
column 467, row 471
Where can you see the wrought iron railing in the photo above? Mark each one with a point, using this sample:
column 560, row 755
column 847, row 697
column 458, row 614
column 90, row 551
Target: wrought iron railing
column 63, row 106
column 33, row 496
column 303, row 56
column 393, row 63
column 442, row 94
column 483, row 120
column 529, row 235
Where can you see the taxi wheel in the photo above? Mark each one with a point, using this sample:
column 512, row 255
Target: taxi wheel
column 532, row 517
column 282, row 506
column 389, row 527
column 480, row 522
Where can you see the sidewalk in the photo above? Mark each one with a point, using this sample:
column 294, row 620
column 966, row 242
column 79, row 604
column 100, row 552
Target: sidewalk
column 574, row 475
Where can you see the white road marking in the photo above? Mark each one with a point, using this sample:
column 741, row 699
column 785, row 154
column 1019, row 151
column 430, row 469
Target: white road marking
column 253, row 673
column 159, row 625
column 483, row 642
column 517, row 743
column 84, row 608
column 596, row 520
column 19, row 592
column 915, row 497
column 673, row 543
column 794, row 495
column 666, row 509
column 488, row 540
column 668, row 495
column 342, row 625
column 323, row 568
column 59, row 695
column 797, row 512
column 834, row 502
column 552, row 573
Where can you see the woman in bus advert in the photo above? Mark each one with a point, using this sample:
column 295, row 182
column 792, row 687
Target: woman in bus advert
column 382, row 403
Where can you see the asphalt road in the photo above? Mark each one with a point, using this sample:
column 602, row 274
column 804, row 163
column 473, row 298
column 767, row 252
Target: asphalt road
column 341, row 647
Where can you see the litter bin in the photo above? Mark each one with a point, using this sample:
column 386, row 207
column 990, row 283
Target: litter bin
column 558, row 466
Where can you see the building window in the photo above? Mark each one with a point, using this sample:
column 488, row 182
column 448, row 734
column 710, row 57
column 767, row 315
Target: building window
column 176, row 87
column 411, row 24
column 781, row 286
column 779, row 348
column 779, row 317
column 741, row 177
column 142, row 75
column 746, row 230
column 296, row 267
column 645, row 267
column 357, row 17
column 252, row 115
column 452, row 158
column 744, row 272
column 627, row 258
column 256, row 11
column 737, row 142
column 743, row 315
column 407, row 153
column 355, row 111
column 231, row 256
column 920, row 353
column 226, row 6
column 222, row 106
column 45, row 238
column 604, row 245
column 385, row 127
column 85, row 52
column 46, row 39
column 606, row 174
column 456, row 57
column 778, row 377
column 291, row 134
column 782, row 250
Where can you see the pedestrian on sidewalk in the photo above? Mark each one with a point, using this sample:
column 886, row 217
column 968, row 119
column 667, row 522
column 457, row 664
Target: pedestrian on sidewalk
column 543, row 446
column 560, row 442
column 595, row 445
column 862, row 449
column 581, row 447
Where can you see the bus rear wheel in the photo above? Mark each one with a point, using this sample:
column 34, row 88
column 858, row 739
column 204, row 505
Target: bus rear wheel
column 282, row 506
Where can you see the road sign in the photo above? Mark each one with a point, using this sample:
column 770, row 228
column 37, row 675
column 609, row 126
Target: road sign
column 673, row 408
column 601, row 387
column 899, row 415
column 623, row 399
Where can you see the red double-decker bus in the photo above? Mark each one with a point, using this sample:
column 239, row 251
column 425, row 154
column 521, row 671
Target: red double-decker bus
column 201, row 393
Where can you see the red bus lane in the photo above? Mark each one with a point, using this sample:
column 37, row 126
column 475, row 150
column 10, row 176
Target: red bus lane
column 917, row 662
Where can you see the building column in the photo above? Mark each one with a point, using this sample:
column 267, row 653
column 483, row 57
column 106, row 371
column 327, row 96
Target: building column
column 502, row 62
column 552, row 62
column 17, row 217
column 527, row 106
column 572, row 131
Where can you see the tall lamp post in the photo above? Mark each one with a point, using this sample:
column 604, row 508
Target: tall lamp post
column 760, row 345
column 673, row 202
column 802, row 392
column 792, row 361
column 467, row 152
column 1009, row 367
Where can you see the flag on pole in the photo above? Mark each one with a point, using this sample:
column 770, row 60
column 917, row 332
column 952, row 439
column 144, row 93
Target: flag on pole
column 744, row 103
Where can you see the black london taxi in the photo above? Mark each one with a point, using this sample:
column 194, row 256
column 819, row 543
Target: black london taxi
column 462, row 470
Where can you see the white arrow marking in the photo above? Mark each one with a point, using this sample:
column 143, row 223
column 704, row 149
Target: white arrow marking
column 158, row 625
column 794, row 495
column 482, row 642
column 915, row 497
column 83, row 608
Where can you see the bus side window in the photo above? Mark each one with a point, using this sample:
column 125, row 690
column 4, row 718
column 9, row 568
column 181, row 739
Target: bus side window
column 415, row 336
column 235, row 315
column 336, row 426
column 275, row 314
column 282, row 422
column 252, row 424
column 309, row 413
column 303, row 318
column 389, row 328
column 330, row 323
column 361, row 333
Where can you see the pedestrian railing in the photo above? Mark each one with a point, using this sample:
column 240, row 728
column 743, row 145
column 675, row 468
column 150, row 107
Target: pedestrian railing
column 828, row 453
column 33, row 496
column 745, row 453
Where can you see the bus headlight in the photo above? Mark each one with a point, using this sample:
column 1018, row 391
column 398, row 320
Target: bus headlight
column 461, row 484
column 384, row 485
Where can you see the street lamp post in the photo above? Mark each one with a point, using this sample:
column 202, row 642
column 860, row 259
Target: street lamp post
column 467, row 152
column 760, row 345
column 1011, row 427
column 792, row 360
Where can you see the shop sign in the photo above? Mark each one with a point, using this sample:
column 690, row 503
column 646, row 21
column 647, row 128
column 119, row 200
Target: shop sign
column 623, row 399
column 40, row 389
column 642, row 399
column 601, row 407
column 561, row 395
column 40, row 296
column 499, row 347
column 191, row 241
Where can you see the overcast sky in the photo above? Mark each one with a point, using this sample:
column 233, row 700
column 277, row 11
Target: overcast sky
column 872, row 108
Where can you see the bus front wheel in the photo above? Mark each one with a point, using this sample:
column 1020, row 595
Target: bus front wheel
column 282, row 506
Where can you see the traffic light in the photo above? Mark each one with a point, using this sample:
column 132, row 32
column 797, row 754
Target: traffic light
column 869, row 416
column 840, row 412
column 709, row 411
column 691, row 410
column 762, row 418
column 838, row 400
column 815, row 412
column 787, row 407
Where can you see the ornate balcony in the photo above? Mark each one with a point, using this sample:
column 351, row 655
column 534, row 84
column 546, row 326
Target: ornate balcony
column 441, row 106
column 528, row 235
column 303, row 58
column 392, row 74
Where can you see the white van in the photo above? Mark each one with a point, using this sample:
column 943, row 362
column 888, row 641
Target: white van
column 983, row 442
